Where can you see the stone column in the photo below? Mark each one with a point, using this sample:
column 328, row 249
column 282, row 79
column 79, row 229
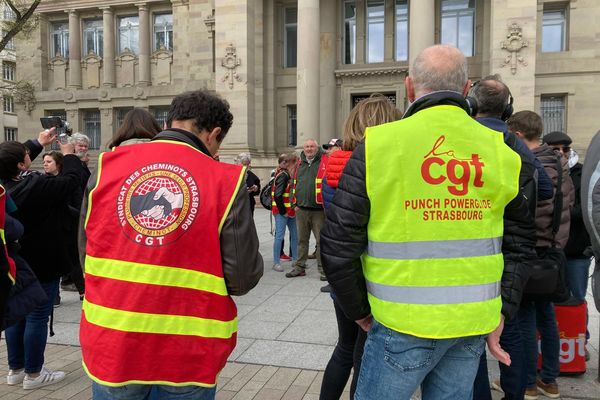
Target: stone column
column 307, row 71
column 235, row 78
column 108, row 65
column 421, row 27
column 144, row 56
column 74, row 50
column 327, row 74
column 518, row 75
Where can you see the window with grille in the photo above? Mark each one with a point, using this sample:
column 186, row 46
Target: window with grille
column 290, row 37
column 553, row 110
column 10, row 45
column 9, row 71
column 93, row 32
column 458, row 25
column 129, row 34
column 292, row 129
column 9, row 104
column 554, row 29
column 160, row 114
column 9, row 14
column 120, row 116
column 163, row 31
column 91, row 127
column 10, row 134
column 59, row 32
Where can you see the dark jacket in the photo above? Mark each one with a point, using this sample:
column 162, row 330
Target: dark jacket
column 545, row 188
column 590, row 206
column 543, row 219
column 251, row 180
column 27, row 293
column 242, row 263
column 281, row 182
column 305, row 181
column 579, row 239
column 344, row 235
column 43, row 209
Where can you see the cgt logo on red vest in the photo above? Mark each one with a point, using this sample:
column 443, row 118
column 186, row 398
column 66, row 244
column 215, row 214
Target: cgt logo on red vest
column 157, row 204
column 441, row 166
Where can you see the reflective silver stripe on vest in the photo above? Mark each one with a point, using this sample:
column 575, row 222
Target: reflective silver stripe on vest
column 434, row 294
column 435, row 249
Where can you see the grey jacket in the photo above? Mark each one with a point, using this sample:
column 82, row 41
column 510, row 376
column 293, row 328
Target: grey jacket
column 242, row 262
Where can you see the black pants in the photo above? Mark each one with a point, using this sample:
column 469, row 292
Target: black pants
column 346, row 355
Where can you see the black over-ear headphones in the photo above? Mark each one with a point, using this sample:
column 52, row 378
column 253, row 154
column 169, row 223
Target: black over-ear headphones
column 506, row 113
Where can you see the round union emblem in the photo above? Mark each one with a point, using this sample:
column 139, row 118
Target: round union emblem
column 157, row 204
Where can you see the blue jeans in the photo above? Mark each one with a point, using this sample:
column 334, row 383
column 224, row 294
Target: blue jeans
column 395, row 364
column 26, row 340
column 578, row 272
column 152, row 392
column 541, row 315
column 512, row 379
column 280, row 223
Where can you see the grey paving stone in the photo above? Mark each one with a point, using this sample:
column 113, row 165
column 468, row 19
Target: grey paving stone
column 241, row 346
column 279, row 308
column 65, row 333
column 256, row 329
column 244, row 309
column 312, row 326
column 287, row 354
column 241, row 378
column 302, row 286
column 322, row 302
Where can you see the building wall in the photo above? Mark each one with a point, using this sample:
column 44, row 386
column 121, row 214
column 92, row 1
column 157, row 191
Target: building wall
column 249, row 73
column 8, row 120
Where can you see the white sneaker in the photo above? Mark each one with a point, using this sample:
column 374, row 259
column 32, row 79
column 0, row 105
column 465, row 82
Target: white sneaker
column 15, row 376
column 278, row 268
column 45, row 378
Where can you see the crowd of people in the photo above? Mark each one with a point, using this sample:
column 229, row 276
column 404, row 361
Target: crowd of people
column 429, row 225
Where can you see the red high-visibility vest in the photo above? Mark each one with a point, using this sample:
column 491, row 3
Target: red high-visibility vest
column 156, row 308
column 287, row 198
column 318, row 179
column 12, row 269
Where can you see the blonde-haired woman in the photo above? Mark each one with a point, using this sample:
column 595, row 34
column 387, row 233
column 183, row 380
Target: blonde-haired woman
column 375, row 110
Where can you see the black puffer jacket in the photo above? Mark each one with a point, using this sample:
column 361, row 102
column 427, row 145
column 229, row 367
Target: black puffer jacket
column 344, row 239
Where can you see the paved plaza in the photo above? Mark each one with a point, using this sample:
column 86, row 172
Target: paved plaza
column 287, row 331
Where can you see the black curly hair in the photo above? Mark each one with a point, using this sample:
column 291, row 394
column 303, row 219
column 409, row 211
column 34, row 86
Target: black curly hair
column 208, row 111
column 11, row 154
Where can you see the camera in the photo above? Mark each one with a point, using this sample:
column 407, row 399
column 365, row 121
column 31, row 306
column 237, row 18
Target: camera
column 63, row 129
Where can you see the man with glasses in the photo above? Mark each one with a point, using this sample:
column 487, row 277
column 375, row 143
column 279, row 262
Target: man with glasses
column 578, row 259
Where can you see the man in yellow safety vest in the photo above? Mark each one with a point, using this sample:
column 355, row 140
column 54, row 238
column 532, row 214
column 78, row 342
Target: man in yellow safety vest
column 412, row 246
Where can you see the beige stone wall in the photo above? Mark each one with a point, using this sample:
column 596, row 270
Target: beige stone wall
column 262, row 89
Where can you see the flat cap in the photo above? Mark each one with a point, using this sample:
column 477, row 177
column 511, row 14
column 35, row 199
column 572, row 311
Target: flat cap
column 557, row 138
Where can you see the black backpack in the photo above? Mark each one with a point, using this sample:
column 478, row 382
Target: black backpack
column 265, row 194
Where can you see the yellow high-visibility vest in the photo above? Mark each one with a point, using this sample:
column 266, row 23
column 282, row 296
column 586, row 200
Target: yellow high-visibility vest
column 438, row 183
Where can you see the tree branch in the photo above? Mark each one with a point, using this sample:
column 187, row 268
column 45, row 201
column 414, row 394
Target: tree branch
column 15, row 10
column 19, row 22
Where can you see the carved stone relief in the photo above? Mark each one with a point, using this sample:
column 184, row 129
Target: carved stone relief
column 161, row 66
column 230, row 62
column 91, row 66
column 513, row 44
column 125, row 68
column 57, row 67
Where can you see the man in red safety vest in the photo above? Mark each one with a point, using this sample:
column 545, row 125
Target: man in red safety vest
column 169, row 238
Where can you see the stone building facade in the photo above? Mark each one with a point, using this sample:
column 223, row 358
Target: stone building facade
column 292, row 70
column 8, row 112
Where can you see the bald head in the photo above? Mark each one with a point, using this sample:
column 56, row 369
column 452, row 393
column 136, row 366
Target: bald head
column 492, row 96
column 438, row 67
